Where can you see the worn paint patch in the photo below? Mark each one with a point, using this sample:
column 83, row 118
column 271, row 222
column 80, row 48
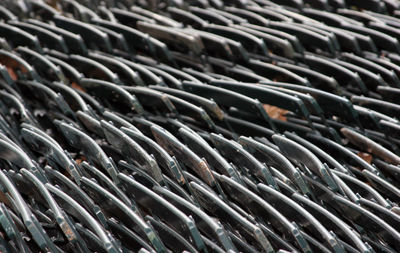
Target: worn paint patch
column 276, row 112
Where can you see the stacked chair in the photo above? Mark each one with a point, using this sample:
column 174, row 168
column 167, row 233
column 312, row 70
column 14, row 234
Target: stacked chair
column 200, row 126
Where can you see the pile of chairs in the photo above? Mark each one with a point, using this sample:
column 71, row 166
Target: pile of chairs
column 199, row 126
